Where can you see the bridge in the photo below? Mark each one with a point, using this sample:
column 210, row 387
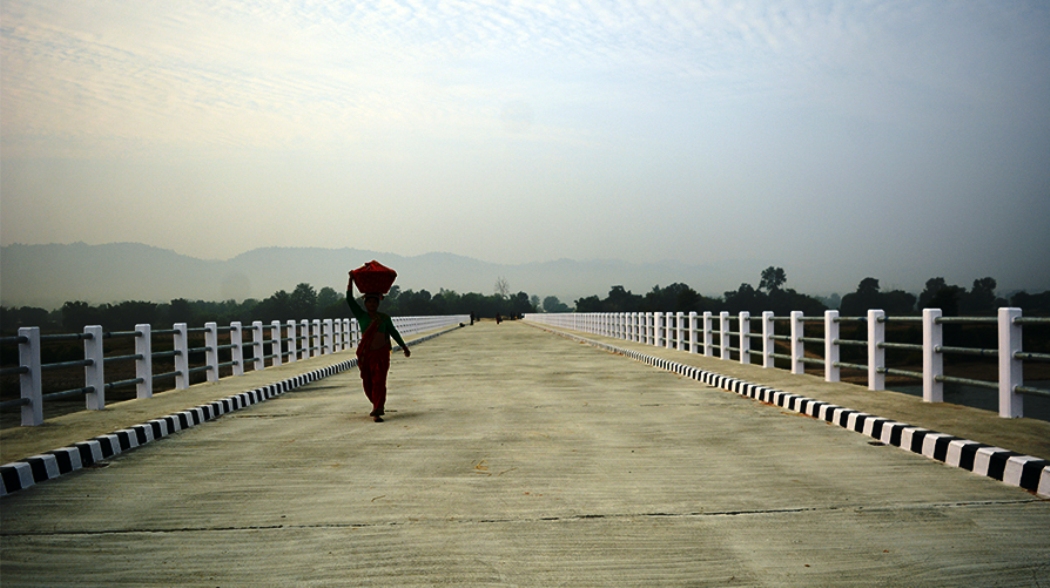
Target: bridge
column 528, row 454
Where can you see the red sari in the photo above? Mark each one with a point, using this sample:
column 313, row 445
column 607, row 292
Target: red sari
column 373, row 361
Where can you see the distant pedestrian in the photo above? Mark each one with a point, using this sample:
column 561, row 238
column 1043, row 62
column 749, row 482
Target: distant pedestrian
column 373, row 352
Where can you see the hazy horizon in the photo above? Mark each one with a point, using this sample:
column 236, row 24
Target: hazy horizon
column 51, row 275
column 839, row 140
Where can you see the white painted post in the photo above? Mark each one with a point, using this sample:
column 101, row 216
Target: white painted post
column 94, row 374
column 798, row 349
column 237, row 351
column 318, row 349
column 768, row 361
column 211, row 354
column 275, row 342
column 355, row 332
column 181, row 344
column 328, row 334
column 304, row 336
column 831, row 346
column 293, row 346
column 723, row 335
column 636, row 327
column 258, row 350
column 144, row 363
column 876, row 353
column 694, row 346
column 708, row 345
column 745, row 337
column 669, row 329
column 932, row 359
column 30, row 381
column 1011, row 370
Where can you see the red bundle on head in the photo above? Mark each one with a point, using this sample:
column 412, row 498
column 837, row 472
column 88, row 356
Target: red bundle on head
column 374, row 278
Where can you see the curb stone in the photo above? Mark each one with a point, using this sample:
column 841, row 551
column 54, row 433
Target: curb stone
column 21, row 474
column 1024, row 471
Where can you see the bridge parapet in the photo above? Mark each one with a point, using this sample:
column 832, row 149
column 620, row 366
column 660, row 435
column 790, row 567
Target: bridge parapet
column 224, row 350
column 695, row 333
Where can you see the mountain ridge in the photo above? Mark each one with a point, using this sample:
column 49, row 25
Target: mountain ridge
column 49, row 275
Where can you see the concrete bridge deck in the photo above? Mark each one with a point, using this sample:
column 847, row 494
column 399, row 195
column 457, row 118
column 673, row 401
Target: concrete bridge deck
column 515, row 457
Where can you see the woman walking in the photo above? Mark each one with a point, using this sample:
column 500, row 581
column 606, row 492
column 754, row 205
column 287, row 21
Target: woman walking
column 373, row 352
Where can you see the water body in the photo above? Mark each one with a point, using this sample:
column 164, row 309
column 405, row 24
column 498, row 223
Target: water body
column 1035, row 407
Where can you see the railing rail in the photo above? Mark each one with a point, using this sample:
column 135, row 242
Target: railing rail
column 242, row 346
column 698, row 333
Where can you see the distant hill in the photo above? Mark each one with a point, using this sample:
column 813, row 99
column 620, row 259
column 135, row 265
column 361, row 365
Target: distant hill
column 49, row 275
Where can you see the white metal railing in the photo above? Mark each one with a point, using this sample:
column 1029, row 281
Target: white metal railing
column 246, row 346
column 695, row 333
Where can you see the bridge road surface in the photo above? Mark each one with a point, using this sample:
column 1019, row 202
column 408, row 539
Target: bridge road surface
column 514, row 457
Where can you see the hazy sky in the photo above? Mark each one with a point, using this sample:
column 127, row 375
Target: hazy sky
column 901, row 140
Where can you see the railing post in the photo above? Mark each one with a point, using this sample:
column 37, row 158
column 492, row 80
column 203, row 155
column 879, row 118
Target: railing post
column 258, row 350
column 658, row 329
column 1011, row 373
column 94, row 374
column 723, row 335
column 831, row 346
column 768, row 361
column 355, row 335
column 237, row 351
column 708, row 346
column 679, row 323
column 745, row 337
column 798, row 349
column 275, row 342
column 669, row 330
column 304, row 336
column 318, row 348
column 694, row 346
column 181, row 344
column 293, row 343
column 636, row 327
column 876, row 353
column 144, row 365
column 932, row 359
column 30, row 382
column 211, row 353
column 328, row 348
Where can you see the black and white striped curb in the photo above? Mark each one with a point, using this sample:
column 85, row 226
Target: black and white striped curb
column 1025, row 471
column 19, row 475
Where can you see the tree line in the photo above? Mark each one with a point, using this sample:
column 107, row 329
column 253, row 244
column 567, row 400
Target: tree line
column 771, row 295
column 305, row 302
